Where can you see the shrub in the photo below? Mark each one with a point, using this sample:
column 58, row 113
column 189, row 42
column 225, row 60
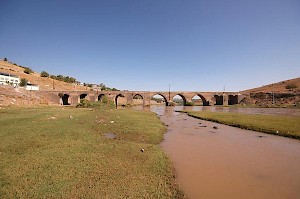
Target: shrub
column 84, row 103
column 28, row 70
column 23, row 82
column 5, row 59
column 291, row 86
column 44, row 74
column 189, row 104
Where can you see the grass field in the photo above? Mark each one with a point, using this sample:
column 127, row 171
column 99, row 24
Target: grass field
column 64, row 153
column 287, row 126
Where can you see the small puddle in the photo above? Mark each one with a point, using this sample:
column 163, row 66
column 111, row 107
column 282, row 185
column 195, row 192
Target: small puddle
column 218, row 161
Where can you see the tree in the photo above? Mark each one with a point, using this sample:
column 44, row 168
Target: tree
column 44, row 74
column 23, row 82
column 5, row 59
column 52, row 76
column 28, row 70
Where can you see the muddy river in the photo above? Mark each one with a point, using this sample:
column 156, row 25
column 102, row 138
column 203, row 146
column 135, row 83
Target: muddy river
column 217, row 161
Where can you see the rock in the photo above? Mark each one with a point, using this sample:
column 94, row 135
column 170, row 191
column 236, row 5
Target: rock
column 215, row 127
column 142, row 150
column 71, row 117
column 202, row 126
column 110, row 135
column 112, row 122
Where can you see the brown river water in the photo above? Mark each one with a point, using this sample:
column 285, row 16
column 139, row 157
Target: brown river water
column 228, row 162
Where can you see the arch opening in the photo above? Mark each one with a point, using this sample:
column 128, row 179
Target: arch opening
column 83, row 96
column 233, row 99
column 219, row 99
column 159, row 99
column 138, row 99
column 65, row 99
column 101, row 97
column 120, row 100
column 199, row 100
column 179, row 100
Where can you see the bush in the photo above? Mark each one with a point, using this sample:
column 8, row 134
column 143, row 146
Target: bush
column 189, row 104
column 44, row 74
column 104, row 104
column 28, row 70
column 84, row 103
column 291, row 86
column 5, row 59
column 23, row 82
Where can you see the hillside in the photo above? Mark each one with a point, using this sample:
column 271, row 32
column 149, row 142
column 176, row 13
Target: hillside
column 281, row 94
column 45, row 83
column 279, row 87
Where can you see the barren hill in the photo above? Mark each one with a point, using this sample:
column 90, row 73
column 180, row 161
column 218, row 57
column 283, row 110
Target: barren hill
column 286, row 86
column 45, row 83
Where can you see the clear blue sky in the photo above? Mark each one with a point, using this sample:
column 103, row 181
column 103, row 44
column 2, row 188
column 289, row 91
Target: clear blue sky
column 198, row 45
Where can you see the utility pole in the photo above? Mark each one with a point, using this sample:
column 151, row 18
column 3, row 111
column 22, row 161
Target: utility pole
column 169, row 92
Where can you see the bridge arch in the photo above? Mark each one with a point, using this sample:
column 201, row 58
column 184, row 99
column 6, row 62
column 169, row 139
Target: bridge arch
column 181, row 96
column 219, row 99
column 233, row 99
column 64, row 97
column 83, row 95
column 100, row 97
column 156, row 95
column 137, row 96
column 204, row 101
column 120, row 103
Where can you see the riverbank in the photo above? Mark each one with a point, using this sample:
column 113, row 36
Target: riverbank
column 287, row 126
column 75, row 153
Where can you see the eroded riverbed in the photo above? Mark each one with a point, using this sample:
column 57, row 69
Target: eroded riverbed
column 218, row 161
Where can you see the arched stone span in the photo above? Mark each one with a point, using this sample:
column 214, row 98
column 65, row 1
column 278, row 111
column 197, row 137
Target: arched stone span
column 137, row 96
column 83, row 96
column 121, row 96
column 182, row 97
column 233, row 99
column 204, row 101
column 164, row 97
column 218, row 99
column 65, row 99
column 100, row 97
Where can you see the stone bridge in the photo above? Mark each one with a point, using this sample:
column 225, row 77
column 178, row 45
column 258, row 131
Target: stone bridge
column 207, row 98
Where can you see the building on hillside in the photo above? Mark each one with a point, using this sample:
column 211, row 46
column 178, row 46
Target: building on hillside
column 9, row 79
column 32, row 87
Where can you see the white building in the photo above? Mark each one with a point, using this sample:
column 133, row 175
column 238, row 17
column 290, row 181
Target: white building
column 9, row 79
column 32, row 87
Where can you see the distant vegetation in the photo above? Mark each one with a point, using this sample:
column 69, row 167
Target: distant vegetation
column 28, row 70
column 63, row 78
column 291, row 86
column 44, row 74
column 23, row 82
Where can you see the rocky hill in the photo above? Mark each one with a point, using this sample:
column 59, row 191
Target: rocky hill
column 286, row 86
column 281, row 94
column 45, row 83
column 10, row 96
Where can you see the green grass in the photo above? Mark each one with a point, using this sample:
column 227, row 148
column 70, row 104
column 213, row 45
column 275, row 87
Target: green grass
column 46, row 154
column 287, row 126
